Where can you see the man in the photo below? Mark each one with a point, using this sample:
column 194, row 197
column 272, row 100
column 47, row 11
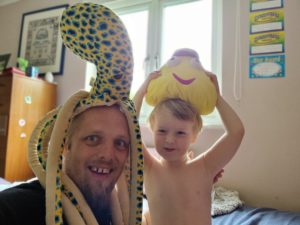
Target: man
column 86, row 154
column 94, row 158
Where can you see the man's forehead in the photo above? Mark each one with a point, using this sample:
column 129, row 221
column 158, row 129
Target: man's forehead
column 113, row 113
column 100, row 108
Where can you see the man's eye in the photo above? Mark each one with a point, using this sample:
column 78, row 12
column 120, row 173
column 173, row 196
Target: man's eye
column 122, row 145
column 92, row 140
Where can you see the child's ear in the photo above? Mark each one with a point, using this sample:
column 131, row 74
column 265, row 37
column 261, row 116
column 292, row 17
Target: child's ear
column 191, row 154
column 194, row 138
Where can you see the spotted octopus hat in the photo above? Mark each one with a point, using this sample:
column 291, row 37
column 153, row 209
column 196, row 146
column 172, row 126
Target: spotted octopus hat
column 97, row 35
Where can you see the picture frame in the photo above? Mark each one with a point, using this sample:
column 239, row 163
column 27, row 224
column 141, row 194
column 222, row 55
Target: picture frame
column 40, row 41
column 4, row 58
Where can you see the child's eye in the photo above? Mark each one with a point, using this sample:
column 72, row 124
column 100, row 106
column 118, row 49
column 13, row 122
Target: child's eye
column 161, row 131
column 181, row 133
column 122, row 144
column 92, row 140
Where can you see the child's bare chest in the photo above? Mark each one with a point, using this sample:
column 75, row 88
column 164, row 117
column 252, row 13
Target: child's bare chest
column 178, row 192
column 182, row 186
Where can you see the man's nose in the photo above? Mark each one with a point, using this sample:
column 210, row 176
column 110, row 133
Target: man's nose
column 107, row 151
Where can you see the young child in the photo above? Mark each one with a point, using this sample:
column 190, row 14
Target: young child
column 179, row 189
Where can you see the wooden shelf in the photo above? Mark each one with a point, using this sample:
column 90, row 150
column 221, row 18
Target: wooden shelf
column 23, row 102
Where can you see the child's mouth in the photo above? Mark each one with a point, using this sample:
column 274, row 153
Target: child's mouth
column 169, row 149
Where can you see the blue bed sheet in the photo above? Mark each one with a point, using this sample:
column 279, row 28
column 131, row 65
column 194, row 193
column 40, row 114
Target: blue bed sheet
column 257, row 216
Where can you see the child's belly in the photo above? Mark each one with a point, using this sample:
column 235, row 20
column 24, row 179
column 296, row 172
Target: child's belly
column 178, row 201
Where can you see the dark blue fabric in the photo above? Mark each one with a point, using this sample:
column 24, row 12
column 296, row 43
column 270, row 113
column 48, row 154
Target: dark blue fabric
column 257, row 216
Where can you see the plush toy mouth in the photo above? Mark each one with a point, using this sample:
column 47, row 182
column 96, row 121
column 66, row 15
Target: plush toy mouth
column 182, row 81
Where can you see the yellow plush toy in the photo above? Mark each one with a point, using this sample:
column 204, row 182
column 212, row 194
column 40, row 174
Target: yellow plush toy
column 184, row 77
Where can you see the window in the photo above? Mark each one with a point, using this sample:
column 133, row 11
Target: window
column 158, row 27
column 136, row 25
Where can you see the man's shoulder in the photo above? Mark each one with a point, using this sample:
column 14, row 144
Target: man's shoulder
column 33, row 187
column 23, row 204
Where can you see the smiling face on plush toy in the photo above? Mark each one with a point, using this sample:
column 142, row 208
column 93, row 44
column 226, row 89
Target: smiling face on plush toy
column 184, row 77
column 177, row 66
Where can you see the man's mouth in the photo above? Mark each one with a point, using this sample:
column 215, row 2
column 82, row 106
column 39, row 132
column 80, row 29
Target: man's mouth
column 183, row 81
column 98, row 170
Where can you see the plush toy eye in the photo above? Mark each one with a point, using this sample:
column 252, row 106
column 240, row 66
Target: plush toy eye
column 196, row 63
column 173, row 61
column 117, row 75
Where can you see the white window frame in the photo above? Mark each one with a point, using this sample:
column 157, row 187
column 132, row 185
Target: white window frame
column 152, row 60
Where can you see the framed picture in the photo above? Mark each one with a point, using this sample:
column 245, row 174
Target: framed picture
column 40, row 40
column 4, row 61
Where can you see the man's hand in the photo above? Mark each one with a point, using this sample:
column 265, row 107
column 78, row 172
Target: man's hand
column 218, row 176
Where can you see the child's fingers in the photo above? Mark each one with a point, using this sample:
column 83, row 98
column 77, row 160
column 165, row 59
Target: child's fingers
column 214, row 79
column 154, row 75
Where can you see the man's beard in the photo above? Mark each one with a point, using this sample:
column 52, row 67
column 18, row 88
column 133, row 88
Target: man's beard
column 99, row 203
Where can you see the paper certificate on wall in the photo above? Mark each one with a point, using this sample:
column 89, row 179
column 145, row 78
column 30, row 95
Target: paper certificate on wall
column 269, row 42
column 265, row 4
column 269, row 20
column 267, row 66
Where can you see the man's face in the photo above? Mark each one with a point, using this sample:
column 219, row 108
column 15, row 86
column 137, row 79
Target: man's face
column 97, row 151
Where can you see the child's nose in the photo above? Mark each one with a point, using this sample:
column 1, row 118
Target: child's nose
column 170, row 138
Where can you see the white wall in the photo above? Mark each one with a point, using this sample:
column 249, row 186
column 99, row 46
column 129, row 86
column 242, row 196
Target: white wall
column 266, row 168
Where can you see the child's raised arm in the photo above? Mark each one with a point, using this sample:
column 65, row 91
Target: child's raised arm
column 226, row 147
column 138, row 101
column 140, row 94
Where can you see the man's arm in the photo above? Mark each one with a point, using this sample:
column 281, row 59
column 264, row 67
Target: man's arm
column 226, row 147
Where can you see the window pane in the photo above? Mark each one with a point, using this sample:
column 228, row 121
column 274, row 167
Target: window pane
column 136, row 24
column 188, row 26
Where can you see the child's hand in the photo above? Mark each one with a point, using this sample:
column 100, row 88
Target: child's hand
column 153, row 75
column 149, row 78
column 214, row 79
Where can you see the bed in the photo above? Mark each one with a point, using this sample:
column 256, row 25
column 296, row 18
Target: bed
column 228, row 209
column 246, row 215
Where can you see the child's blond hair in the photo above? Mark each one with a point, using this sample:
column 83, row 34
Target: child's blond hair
column 180, row 109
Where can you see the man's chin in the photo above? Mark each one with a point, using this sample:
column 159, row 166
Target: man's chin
column 97, row 198
column 98, row 191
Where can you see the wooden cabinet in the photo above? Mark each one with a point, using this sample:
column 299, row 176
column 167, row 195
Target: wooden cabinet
column 23, row 102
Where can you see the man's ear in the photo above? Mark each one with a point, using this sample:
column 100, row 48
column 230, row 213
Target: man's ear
column 67, row 147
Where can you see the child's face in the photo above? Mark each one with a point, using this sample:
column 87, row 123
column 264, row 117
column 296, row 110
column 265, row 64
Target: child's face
column 172, row 136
